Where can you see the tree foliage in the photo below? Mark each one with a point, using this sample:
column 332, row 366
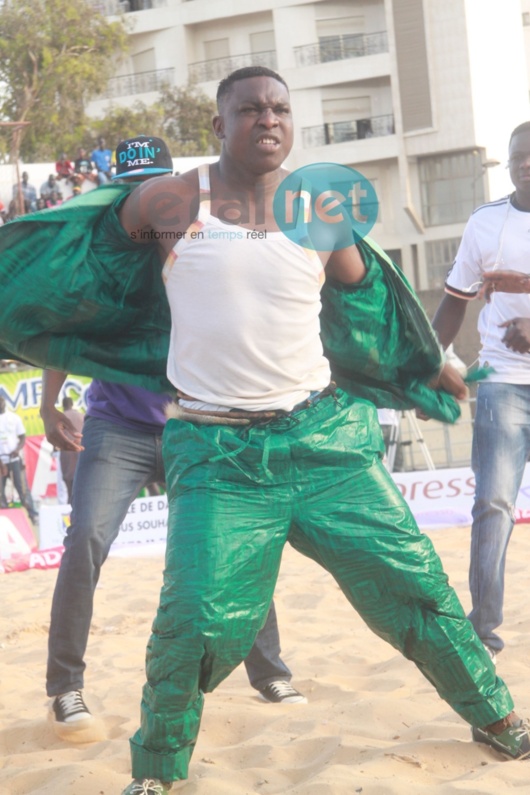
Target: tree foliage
column 182, row 116
column 57, row 55
column 123, row 122
column 187, row 121
column 54, row 56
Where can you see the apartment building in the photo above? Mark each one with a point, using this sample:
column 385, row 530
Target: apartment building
column 418, row 95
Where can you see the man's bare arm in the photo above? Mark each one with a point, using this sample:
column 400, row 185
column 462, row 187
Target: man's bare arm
column 346, row 266
column 449, row 318
column 164, row 205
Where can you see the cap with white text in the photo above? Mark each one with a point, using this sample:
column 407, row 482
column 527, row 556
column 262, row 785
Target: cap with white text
column 142, row 156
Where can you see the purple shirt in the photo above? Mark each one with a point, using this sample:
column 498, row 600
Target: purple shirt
column 129, row 406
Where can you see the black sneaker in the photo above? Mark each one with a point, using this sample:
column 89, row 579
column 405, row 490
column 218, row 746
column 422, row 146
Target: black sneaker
column 72, row 719
column 513, row 742
column 282, row 692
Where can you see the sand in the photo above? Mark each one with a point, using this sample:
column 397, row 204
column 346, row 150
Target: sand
column 373, row 725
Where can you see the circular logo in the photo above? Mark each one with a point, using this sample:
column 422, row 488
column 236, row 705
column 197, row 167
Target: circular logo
column 325, row 206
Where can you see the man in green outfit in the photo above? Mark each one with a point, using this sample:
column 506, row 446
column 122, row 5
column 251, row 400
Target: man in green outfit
column 269, row 451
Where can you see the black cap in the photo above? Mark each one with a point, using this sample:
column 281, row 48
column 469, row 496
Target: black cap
column 142, row 155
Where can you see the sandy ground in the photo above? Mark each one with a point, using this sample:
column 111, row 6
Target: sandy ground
column 373, row 725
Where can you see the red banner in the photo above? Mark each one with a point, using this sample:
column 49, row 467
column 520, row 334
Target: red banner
column 16, row 533
column 43, row 559
column 41, row 467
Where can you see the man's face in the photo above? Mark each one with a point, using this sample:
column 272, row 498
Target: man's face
column 24, row 176
column 82, row 153
column 519, row 162
column 255, row 124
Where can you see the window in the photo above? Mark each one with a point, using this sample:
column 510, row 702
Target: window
column 262, row 41
column 451, row 187
column 144, row 61
column 216, row 48
column 340, row 37
column 440, row 255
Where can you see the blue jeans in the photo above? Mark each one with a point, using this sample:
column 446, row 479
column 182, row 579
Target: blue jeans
column 116, row 463
column 501, row 446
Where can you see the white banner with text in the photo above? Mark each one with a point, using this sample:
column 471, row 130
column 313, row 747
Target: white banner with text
column 437, row 498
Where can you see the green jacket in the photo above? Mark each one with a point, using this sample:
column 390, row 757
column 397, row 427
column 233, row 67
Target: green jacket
column 79, row 295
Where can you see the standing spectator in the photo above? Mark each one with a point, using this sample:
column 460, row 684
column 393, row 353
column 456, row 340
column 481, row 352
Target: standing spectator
column 69, row 458
column 496, row 236
column 12, row 439
column 29, row 194
column 83, row 167
column 64, row 168
column 102, row 158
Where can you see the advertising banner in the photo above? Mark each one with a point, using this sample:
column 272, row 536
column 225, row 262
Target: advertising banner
column 22, row 391
column 145, row 524
column 16, row 534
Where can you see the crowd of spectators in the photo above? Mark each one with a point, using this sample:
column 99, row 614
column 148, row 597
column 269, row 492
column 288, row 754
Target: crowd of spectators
column 95, row 168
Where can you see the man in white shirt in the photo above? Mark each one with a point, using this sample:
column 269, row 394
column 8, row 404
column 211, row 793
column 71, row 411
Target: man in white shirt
column 496, row 238
column 12, row 439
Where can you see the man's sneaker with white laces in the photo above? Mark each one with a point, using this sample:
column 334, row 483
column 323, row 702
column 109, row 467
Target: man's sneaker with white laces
column 147, row 786
column 513, row 742
column 72, row 719
column 282, row 692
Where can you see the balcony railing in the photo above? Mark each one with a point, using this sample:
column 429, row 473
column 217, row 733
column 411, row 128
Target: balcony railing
column 139, row 83
column 338, row 48
column 114, row 7
column 217, row 68
column 340, row 131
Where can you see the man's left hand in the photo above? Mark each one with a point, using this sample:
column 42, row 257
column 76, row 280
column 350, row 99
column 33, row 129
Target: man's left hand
column 450, row 380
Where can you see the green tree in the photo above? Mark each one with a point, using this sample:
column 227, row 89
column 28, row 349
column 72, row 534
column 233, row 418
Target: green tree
column 182, row 116
column 187, row 121
column 124, row 122
column 54, row 56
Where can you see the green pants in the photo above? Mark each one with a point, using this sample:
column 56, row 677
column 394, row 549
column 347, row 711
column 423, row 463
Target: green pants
column 315, row 479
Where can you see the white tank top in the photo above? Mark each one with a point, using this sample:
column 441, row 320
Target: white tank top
column 245, row 315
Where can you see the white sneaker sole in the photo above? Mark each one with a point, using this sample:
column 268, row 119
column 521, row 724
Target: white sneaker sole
column 288, row 701
column 86, row 730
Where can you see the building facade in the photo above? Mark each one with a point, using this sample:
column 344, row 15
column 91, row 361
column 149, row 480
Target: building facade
column 420, row 96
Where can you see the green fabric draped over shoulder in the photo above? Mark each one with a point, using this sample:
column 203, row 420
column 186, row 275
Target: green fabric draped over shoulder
column 79, row 295
column 379, row 341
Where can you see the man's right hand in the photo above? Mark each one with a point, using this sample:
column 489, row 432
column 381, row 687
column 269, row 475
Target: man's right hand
column 60, row 432
column 503, row 281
